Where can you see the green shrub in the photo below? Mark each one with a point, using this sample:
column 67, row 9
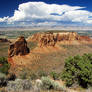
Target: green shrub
column 11, row 76
column 78, row 70
column 54, row 75
column 23, row 75
column 27, row 74
column 58, row 87
column 47, row 83
column 33, row 76
column 4, row 65
column 3, row 80
column 42, row 73
column 19, row 85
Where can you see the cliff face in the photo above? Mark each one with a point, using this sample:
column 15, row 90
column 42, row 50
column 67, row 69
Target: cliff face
column 47, row 40
column 50, row 39
column 68, row 36
column 18, row 48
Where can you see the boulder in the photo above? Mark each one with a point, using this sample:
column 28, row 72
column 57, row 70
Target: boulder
column 18, row 48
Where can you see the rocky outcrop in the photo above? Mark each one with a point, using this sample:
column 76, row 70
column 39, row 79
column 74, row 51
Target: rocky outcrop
column 4, row 40
column 85, row 38
column 51, row 38
column 18, row 48
column 47, row 40
column 68, row 36
column 43, row 39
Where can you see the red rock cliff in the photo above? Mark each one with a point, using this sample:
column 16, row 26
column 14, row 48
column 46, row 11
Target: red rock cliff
column 51, row 38
column 18, row 48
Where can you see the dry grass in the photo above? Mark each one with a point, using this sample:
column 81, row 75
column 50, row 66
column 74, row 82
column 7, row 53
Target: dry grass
column 32, row 45
column 4, row 49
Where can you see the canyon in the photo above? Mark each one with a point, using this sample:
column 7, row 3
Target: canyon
column 50, row 52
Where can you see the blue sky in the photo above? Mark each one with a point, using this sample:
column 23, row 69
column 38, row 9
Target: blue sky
column 45, row 12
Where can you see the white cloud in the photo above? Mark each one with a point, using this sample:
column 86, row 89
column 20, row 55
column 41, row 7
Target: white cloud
column 40, row 13
column 4, row 19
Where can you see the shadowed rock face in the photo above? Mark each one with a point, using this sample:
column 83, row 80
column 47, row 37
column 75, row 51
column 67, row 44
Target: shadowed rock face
column 3, row 40
column 18, row 48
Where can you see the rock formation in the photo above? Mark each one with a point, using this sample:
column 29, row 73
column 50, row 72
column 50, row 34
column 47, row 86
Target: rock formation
column 85, row 38
column 51, row 38
column 4, row 40
column 47, row 40
column 68, row 36
column 18, row 48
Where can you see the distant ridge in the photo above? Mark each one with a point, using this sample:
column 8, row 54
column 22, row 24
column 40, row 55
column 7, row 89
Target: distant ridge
column 44, row 28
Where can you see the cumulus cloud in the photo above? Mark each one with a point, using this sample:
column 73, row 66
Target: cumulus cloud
column 4, row 19
column 40, row 13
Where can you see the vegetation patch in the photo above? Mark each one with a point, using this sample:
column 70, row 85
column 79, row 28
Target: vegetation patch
column 4, row 65
column 4, row 49
column 78, row 70
column 55, row 75
column 51, row 84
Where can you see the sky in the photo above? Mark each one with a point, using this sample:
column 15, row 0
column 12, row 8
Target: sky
column 45, row 13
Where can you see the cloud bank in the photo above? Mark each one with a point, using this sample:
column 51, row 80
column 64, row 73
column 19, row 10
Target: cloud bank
column 42, row 14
